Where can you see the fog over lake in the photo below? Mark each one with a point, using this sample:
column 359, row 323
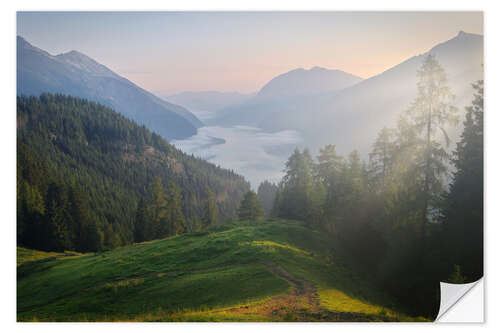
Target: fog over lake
column 249, row 151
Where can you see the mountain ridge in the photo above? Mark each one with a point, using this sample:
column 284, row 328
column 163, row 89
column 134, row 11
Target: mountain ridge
column 76, row 74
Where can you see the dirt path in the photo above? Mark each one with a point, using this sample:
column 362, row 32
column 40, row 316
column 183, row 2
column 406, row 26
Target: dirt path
column 300, row 304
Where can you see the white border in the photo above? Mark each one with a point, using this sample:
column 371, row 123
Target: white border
column 7, row 132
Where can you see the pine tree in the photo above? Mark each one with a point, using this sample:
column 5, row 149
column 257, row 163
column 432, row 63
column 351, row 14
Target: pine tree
column 317, row 218
column 329, row 173
column 463, row 216
column 382, row 158
column 250, row 207
column 297, row 185
column 431, row 111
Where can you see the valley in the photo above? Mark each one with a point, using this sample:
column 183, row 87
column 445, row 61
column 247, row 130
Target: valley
column 253, row 185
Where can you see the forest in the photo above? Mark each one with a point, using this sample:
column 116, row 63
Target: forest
column 410, row 216
column 85, row 174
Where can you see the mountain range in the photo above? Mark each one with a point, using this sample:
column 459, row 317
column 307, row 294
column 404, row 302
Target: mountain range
column 323, row 106
column 284, row 91
column 76, row 74
column 327, row 106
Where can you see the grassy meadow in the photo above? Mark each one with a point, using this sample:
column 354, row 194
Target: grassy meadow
column 245, row 271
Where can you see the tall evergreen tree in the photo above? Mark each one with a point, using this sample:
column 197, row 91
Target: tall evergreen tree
column 430, row 112
column 382, row 157
column 329, row 173
column 297, row 186
column 316, row 214
column 329, row 165
column 463, row 217
column 250, row 208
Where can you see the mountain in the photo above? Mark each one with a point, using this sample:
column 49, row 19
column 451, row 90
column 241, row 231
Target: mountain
column 359, row 111
column 74, row 73
column 70, row 145
column 302, row 82
column 282, row 92
column 205, row 104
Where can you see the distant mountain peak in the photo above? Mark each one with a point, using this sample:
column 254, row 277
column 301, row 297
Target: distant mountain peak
column 302, row 82
column 20, row 39
column 459, row 41
column 84, row 62
column 23, row 44
column 463, row 34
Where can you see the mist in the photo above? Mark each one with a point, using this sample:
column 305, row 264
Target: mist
column 247, row 150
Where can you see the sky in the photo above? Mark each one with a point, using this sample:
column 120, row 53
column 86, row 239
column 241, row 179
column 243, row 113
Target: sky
column 171, row 52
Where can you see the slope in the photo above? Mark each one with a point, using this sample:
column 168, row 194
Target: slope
column 247, row 271
column 75, row 74
column 74, row 142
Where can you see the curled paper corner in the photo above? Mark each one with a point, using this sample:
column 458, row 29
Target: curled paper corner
column 461, row 302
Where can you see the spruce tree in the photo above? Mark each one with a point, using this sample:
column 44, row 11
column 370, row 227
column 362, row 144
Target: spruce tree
column 431, row 111
column 250, row 207
column 297, row 186
column 382, row 158
column 463, row 217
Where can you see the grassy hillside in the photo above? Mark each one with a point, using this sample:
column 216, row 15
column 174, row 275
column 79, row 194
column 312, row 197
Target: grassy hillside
column 246, row 271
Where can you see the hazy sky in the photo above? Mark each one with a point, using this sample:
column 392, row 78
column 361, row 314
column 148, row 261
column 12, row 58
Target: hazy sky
column 169, row 52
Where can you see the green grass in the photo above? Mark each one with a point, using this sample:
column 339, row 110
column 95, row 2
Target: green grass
column 26, row 255
column 192, row 277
